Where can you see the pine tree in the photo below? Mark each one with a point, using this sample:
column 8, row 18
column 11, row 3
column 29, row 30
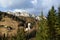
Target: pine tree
column 42, row 33
column 52, row 23
column 58, row 26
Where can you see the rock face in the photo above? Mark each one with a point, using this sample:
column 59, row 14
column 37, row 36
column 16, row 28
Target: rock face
column 10, row 23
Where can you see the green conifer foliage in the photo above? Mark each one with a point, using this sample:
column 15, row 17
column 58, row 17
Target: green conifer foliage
column 42, row 32
column 52, row 23
column 58, row 26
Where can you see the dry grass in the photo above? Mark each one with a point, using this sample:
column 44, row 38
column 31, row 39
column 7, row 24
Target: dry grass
column 6, row 21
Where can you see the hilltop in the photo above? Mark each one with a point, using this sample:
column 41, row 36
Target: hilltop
column 10, row 23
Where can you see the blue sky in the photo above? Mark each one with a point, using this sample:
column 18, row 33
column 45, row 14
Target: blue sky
column 32, row 6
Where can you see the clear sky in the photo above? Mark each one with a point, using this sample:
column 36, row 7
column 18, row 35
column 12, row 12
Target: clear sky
column 32, row 6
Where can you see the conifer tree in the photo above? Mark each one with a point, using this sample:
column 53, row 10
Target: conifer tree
column 58, row 26
column 52, row 24
column 42, row 31
column 59, row 16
